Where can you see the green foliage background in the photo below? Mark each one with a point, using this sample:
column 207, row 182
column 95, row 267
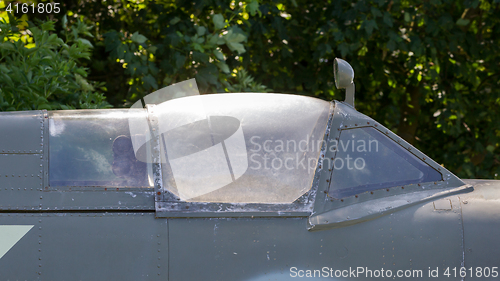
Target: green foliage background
column 429, row 70
column 45, row 74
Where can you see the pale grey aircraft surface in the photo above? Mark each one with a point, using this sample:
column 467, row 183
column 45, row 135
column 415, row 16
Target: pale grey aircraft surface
column 244, row 186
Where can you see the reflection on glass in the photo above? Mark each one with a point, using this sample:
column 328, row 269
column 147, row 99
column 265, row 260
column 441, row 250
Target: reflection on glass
column 247, row 148
column 93, row 148
column 368, row 160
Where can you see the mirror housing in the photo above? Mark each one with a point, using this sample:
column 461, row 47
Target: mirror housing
column 344, row 76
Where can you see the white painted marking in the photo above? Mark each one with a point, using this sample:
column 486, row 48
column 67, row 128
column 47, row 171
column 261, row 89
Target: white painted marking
column 10, row 235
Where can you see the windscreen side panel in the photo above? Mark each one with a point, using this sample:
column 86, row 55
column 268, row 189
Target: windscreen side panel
column 345, row 118
column 367, row 160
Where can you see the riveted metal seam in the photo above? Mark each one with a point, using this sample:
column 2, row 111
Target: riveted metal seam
column 39, row 246
column 45, row 155
column 156, row 154
column 462, row 264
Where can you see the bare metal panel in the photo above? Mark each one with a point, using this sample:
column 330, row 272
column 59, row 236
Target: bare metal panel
column 21, row 132
column 442, row 205
column 20, row 180
column 112, row 246
column 481, row 215
column 21, row 262
column 267, row 248
column 87, row 198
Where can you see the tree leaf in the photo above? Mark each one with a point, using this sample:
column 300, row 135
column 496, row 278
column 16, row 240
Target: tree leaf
column 175, row 20
column 369, row 26
column 462, row 22
column 86, row 86
column 200, row 30
column 223, row 66
column 48, row 26
column 391, row 45
column 387, row 19
column 218, row 54
column 65, row 21
column 233, row 41
column 253, row 7
column 7, row 46
column 407, row 17
column 218, row 21
column 179, row 60
column 200, row 57
column 344, row 49
column 375, row 12
column 150, row 81
column 4, row 69
column 138, row 38
column 212, row 39
column 238, row 47
column 85, row 42
column 152, row 49
column 208, row 74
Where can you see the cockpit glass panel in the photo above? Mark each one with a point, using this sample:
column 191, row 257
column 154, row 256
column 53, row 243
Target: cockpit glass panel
column 368, row 160
column 220, row 148
column 241, row 148
column 93, row 148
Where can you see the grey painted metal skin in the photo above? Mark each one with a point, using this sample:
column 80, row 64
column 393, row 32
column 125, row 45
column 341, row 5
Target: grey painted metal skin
column 99, row 233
